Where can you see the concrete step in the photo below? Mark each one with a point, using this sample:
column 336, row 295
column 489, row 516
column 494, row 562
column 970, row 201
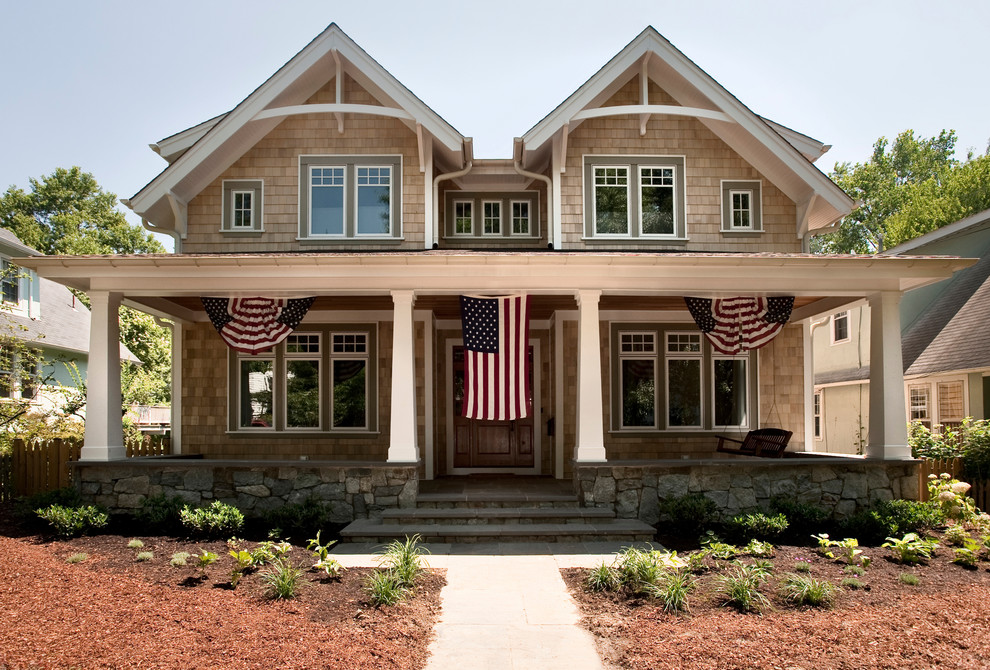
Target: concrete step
column 495, row 500
column 496, row 515
column 605, row 530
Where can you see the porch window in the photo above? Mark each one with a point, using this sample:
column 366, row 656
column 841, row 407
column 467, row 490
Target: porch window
column 520, row 217
column 302, row 381
column 349, row 197
column 634, row 197
column 488, row 216
column 349, row 380
column 463, row 217
column 492, row 217
column 666, row 378
column 257, row 392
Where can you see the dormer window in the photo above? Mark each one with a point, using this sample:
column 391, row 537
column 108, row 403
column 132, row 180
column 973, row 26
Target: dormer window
column 742, row 211
column 242, row 206
column 349, row 197
column 638, row 198
column 487, row 216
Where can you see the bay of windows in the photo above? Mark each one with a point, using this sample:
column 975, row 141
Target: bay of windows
column 491, row 214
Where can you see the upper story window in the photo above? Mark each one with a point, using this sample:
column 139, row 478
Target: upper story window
column 349, row 197
column 486, row 216
column 21, row 290
column 634, row 197
column 742, row 210
column 11, row 284
column 242, row 208
column 840, row 327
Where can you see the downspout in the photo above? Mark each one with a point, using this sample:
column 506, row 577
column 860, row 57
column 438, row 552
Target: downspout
column 176, row 404
column 517, row 165
column 809, row 388
column 436, row 194
column 150, row 227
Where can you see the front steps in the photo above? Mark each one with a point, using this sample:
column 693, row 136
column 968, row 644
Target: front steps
column 498, row 513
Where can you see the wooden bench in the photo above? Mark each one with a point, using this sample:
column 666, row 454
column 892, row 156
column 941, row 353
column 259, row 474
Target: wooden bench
column 765, row 442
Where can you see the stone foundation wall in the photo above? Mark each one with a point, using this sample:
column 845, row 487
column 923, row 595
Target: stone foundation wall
column 352, row 491
column 843, row 486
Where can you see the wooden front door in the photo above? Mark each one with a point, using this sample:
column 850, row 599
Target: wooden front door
column 490, row 444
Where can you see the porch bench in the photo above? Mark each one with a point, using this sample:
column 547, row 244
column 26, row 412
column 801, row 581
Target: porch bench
column 763, row 442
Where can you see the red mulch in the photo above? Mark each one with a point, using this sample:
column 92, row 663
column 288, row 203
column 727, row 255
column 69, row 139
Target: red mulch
column 112, row 612
column 943, row 622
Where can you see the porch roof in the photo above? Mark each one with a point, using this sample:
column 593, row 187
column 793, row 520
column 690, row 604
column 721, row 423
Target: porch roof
column 832, row 280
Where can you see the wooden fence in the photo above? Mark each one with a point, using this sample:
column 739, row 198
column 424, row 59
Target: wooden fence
column 37, row 466
column 954, row 466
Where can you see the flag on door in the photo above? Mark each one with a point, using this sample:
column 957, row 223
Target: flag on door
column 496, row 357
column 737, row 325
column 253, row 325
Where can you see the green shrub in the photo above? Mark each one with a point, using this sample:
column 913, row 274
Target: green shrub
column 299, row 520
column 892, row 517
column 73, row 521
column 216, row 521
column 690, row 513
column 803, row 519
column 809, row 591
column 975, row 440
column 384, row 588
column 756, row 526
column 928, row 444
column 161, row 514
column 282, row 580
column 25, row 508
column 404, row 560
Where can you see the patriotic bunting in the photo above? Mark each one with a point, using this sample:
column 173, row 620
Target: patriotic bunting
column 496, row 360
column 737, row 325
column 253, row 325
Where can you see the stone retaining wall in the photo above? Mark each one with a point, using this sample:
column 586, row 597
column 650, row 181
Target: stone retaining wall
column 843, row 486
column 352, row 491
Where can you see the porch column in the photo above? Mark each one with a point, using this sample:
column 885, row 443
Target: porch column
column 591, row 426
column 402, row 447
column 888, row 417
column 104, row 439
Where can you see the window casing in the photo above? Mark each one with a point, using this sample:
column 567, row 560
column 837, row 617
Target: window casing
column 242, row 206
column 350, row 198
column 11, row 284
column 633, row 197
column 699, row 390
column 818, row 415
column 840, row 327
column 314, row 381
column 742, row 207
column 489, row 216
column 463, row 217
column 920, row 401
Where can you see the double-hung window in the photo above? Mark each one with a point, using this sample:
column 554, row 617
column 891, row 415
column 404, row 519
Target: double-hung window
column 634, row 197
column 487, row 216
column 667, row 378
column 919, row 397
column 242, row 206
column 818, row 415
column 840, row 327
column 349, row 197
column 742, row 210
column 314, row 381
column 11, row 284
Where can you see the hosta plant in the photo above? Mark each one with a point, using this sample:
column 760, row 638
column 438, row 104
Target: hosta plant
column 911, row 548
column 968, row 555
column 956, row 535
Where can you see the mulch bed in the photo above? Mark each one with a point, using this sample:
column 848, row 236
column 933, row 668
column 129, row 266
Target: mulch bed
column 943, row 622
column 110, row 611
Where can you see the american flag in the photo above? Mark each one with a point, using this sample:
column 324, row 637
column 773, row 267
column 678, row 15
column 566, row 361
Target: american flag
column 736, row 325
column 253, row 325
column 496, row 361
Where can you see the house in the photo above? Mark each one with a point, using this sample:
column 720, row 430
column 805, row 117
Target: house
column 55, row 323
column 946, row 361
column 332, row 184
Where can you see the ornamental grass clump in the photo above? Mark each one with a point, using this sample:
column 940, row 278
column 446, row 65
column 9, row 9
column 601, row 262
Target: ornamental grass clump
column 135, row 544
column 282, row 580
column 404, row 560
column 740, row 588
column 808, row 591
column 77, row 558
column 144, row 556
column 672, row 590
column 178, row 559
column 602, row 577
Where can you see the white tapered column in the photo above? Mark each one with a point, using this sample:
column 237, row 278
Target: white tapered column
column 104, row 429
column 888, row 416
column 402, row 447
column 591, row 426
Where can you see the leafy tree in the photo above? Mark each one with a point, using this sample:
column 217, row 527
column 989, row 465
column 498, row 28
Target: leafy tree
column 67, row 212
column 907, row 188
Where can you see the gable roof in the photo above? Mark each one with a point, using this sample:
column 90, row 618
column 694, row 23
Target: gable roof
column 764, row 145
column 202, row 153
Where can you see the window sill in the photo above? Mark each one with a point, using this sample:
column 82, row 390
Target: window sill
column 341, row 241
column 741, row 233
column 308, row 434
column 676, row 241
column 491, row 238
column 242, row 233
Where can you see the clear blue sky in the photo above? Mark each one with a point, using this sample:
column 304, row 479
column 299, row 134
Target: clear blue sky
column 93, row 83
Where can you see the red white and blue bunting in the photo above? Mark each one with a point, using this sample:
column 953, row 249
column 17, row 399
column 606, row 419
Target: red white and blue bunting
column 254, row 325
column 737, row 325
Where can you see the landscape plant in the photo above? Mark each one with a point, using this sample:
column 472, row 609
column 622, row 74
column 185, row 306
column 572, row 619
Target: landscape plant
column 689, row 513
column 135, row 544
column 384, row 588
column 756, row 526
column 143, row 556
column 806, row 590
column 968, row 555
column 325, row 562
column 73, row 521
column 179, row 559
column 217, row 520
column 403, row 558
column 740, row 588
column 802, row 518
column 910, row 549
column 955, row 535
column 161, row 514
column 603, row 577
column 282, row 579
column 846, row 550
column 672, row 589
column 949, row 494
column 909, row 579
column 77, row 557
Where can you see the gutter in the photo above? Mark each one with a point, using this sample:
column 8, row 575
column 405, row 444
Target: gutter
column 517, row 166
column 152, row 228
column 436, row 195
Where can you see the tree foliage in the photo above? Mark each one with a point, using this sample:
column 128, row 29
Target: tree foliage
column 907, row 188
column 69, row 213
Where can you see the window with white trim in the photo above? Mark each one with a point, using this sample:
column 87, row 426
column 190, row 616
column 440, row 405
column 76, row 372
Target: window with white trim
column 666, row 378
column 818, row 415
column 349, row 197
column 11, row 282
column 840, row 327
column 490, row 215
column 919, row 404
column 305, row 385
column 634, row 197
column 520, row 217
column 742, row 210
column 463, row 217
column 242, row 206
column 951, row 403
column 491, row 211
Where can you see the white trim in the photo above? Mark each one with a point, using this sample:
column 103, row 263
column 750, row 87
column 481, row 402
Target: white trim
column 748, row 210
column 484, row 218
column 558, row 414
column 747, row 360
column 594, row 199
column 818, row 415
column 831, row 328
column 676, row 204
column 332, row 108
column 454, row 204
column 666, row 110
column 529, row 217
column 429, row 455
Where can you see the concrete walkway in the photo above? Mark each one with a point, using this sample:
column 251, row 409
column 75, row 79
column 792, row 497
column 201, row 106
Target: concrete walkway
column 505, row 606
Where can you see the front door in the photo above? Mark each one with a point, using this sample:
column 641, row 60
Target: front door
column 490, row 444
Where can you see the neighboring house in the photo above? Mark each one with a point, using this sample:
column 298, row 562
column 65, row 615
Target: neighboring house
column 49, row 317
column 946, row 354
column 332, row 182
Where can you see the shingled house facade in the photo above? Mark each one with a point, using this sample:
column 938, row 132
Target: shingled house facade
column 332, row 181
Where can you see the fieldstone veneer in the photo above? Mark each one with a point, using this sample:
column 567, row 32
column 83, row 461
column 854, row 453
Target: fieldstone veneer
column 351, row 490
column 844, row 486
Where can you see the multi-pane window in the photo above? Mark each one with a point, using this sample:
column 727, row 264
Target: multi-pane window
column 919, row 399
column 242, row 210
column 242, row 206
column 840, row 327
column 741, row 203
column 348, row 197
column 520, row 217
column 30, row 369
column 492, row 217
column 326, row 212
column 657, row 200
column 6, row 372
column 951, row 404
column 611, row 200
column 312, row 381
column 374, row 200
column 818, row 415
column 10, row 283
column 673, row 380
column 463, row 217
